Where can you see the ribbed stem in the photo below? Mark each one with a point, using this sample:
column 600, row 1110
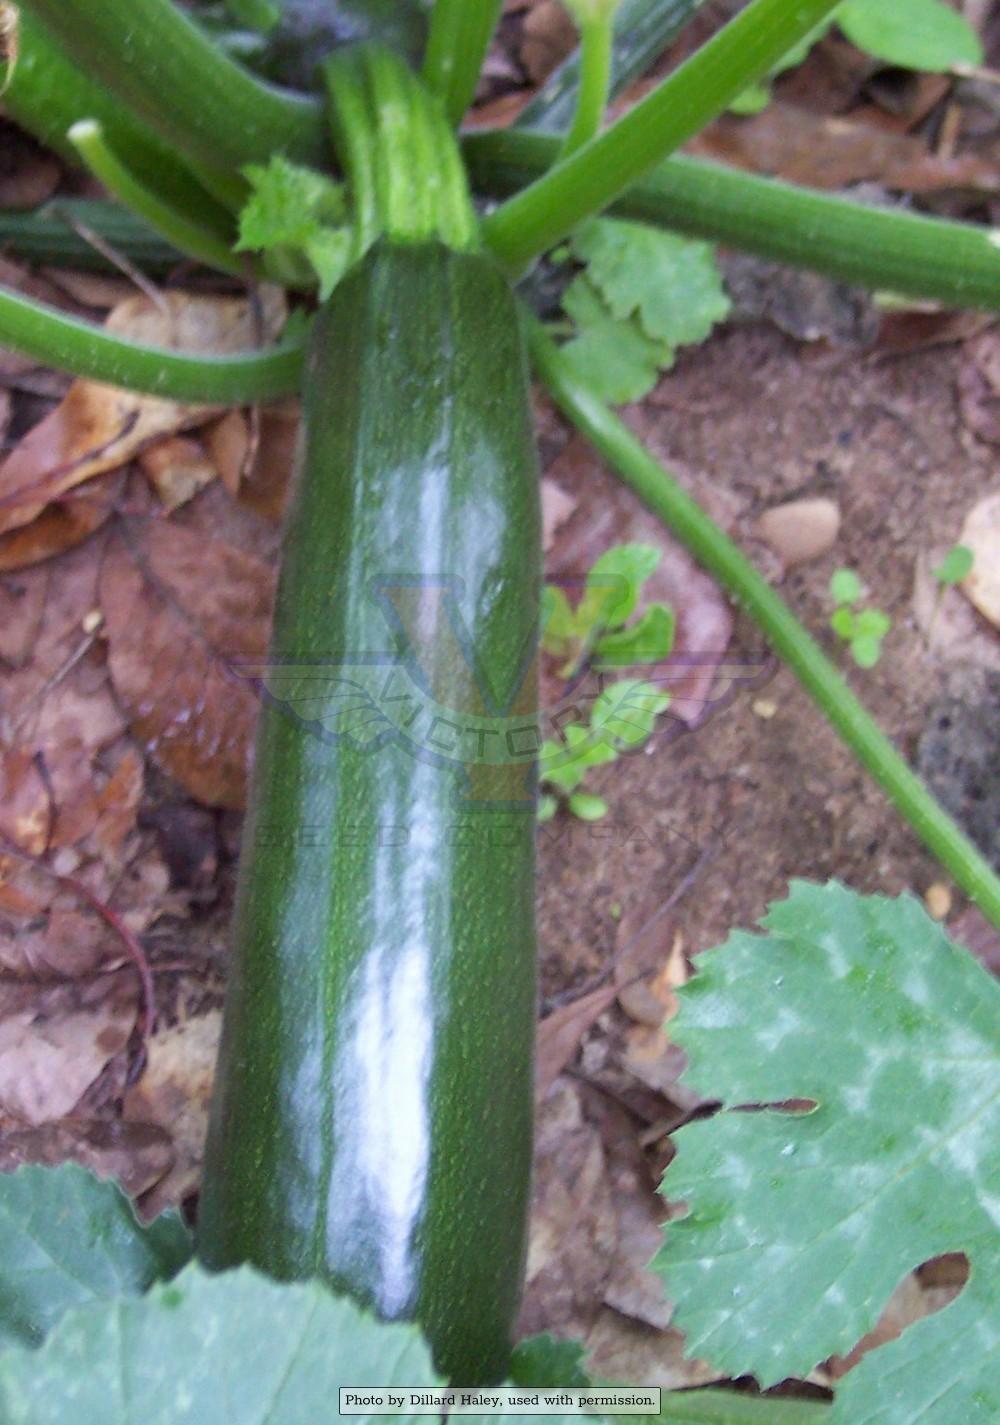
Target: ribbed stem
column 401, row 159
column 460, row 35
column 159, row 63
column 70, row 345
column 88, row 139
column 55, row 234
column 592, row 178
column 821, row 680
column 903, row 252
column 46, row 93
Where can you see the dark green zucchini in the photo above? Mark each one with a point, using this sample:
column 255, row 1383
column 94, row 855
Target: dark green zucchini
column 372, row 1116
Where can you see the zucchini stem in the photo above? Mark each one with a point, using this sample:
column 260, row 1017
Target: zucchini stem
column 951, row 262
column 46, row 93
column 595, row 82
column 401, row 159
column 156, row 61
column 51, row 337
column 459, row 37
column 56, row 234
column 88, row 139
column 642, row 31
column 529, row 224
column 660, row 492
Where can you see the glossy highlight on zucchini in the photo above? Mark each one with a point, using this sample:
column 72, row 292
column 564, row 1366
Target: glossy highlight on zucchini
column 372, row 1116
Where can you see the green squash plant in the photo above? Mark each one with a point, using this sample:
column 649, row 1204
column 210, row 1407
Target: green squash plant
column 367, row 1168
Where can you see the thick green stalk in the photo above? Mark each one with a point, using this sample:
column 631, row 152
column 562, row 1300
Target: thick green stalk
column 88, row 139
column 643, row 29
column 593, row 177
column 821, row 680
column 157, row 61
column 70, row 345
column 595, row 81
column 401, row 159
column 460, row 35
column 46, row 93
column 950, row 262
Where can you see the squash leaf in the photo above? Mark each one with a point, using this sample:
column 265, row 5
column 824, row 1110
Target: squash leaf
column 642, row 294
column 203, row 1349
column 801, row 1223
column 69, row 1238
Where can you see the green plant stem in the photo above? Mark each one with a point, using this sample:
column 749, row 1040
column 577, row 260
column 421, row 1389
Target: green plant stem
column 594, row 176
column 595, row 81
column 460, row 35
column 821, row 680
column 46, row 93
column 56, row 234
column 70, row 345
column 401, row 158
column 642, row 31
column 950, row 262
column 88, row 139
column 157, row 62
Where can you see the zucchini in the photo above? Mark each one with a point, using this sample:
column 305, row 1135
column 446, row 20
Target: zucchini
column 372, row 1114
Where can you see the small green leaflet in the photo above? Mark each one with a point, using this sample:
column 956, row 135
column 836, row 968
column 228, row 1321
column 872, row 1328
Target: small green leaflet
column 67, row 1238
column 295, row 212
column 800, row 1225
column 617, row 360
column 643, row 293
column 913, row 34
column 955, row 566
column 595, row 629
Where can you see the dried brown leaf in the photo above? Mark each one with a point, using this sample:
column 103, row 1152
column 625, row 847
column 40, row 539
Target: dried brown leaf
column 832, row 152
column 98, row 427
column 177, row 468
column 177, row 608
column 51, row 1052
column 173, row 1093
column 560, row 1032
column 135, row 1154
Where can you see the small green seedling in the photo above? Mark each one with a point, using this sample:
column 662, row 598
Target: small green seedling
column 597, row 631
column 861, row 629
column 621, row 720
column 954, row 567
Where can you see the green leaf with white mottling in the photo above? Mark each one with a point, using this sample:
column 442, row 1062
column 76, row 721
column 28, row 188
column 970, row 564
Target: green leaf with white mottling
column 67, row 1238
column 670, row 283
column 944, row 1370
column 800, row 1225
column 204, row 1350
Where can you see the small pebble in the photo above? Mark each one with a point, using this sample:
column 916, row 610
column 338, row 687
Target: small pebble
column 937, row 899
column 765, row 708
column 801, row 530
